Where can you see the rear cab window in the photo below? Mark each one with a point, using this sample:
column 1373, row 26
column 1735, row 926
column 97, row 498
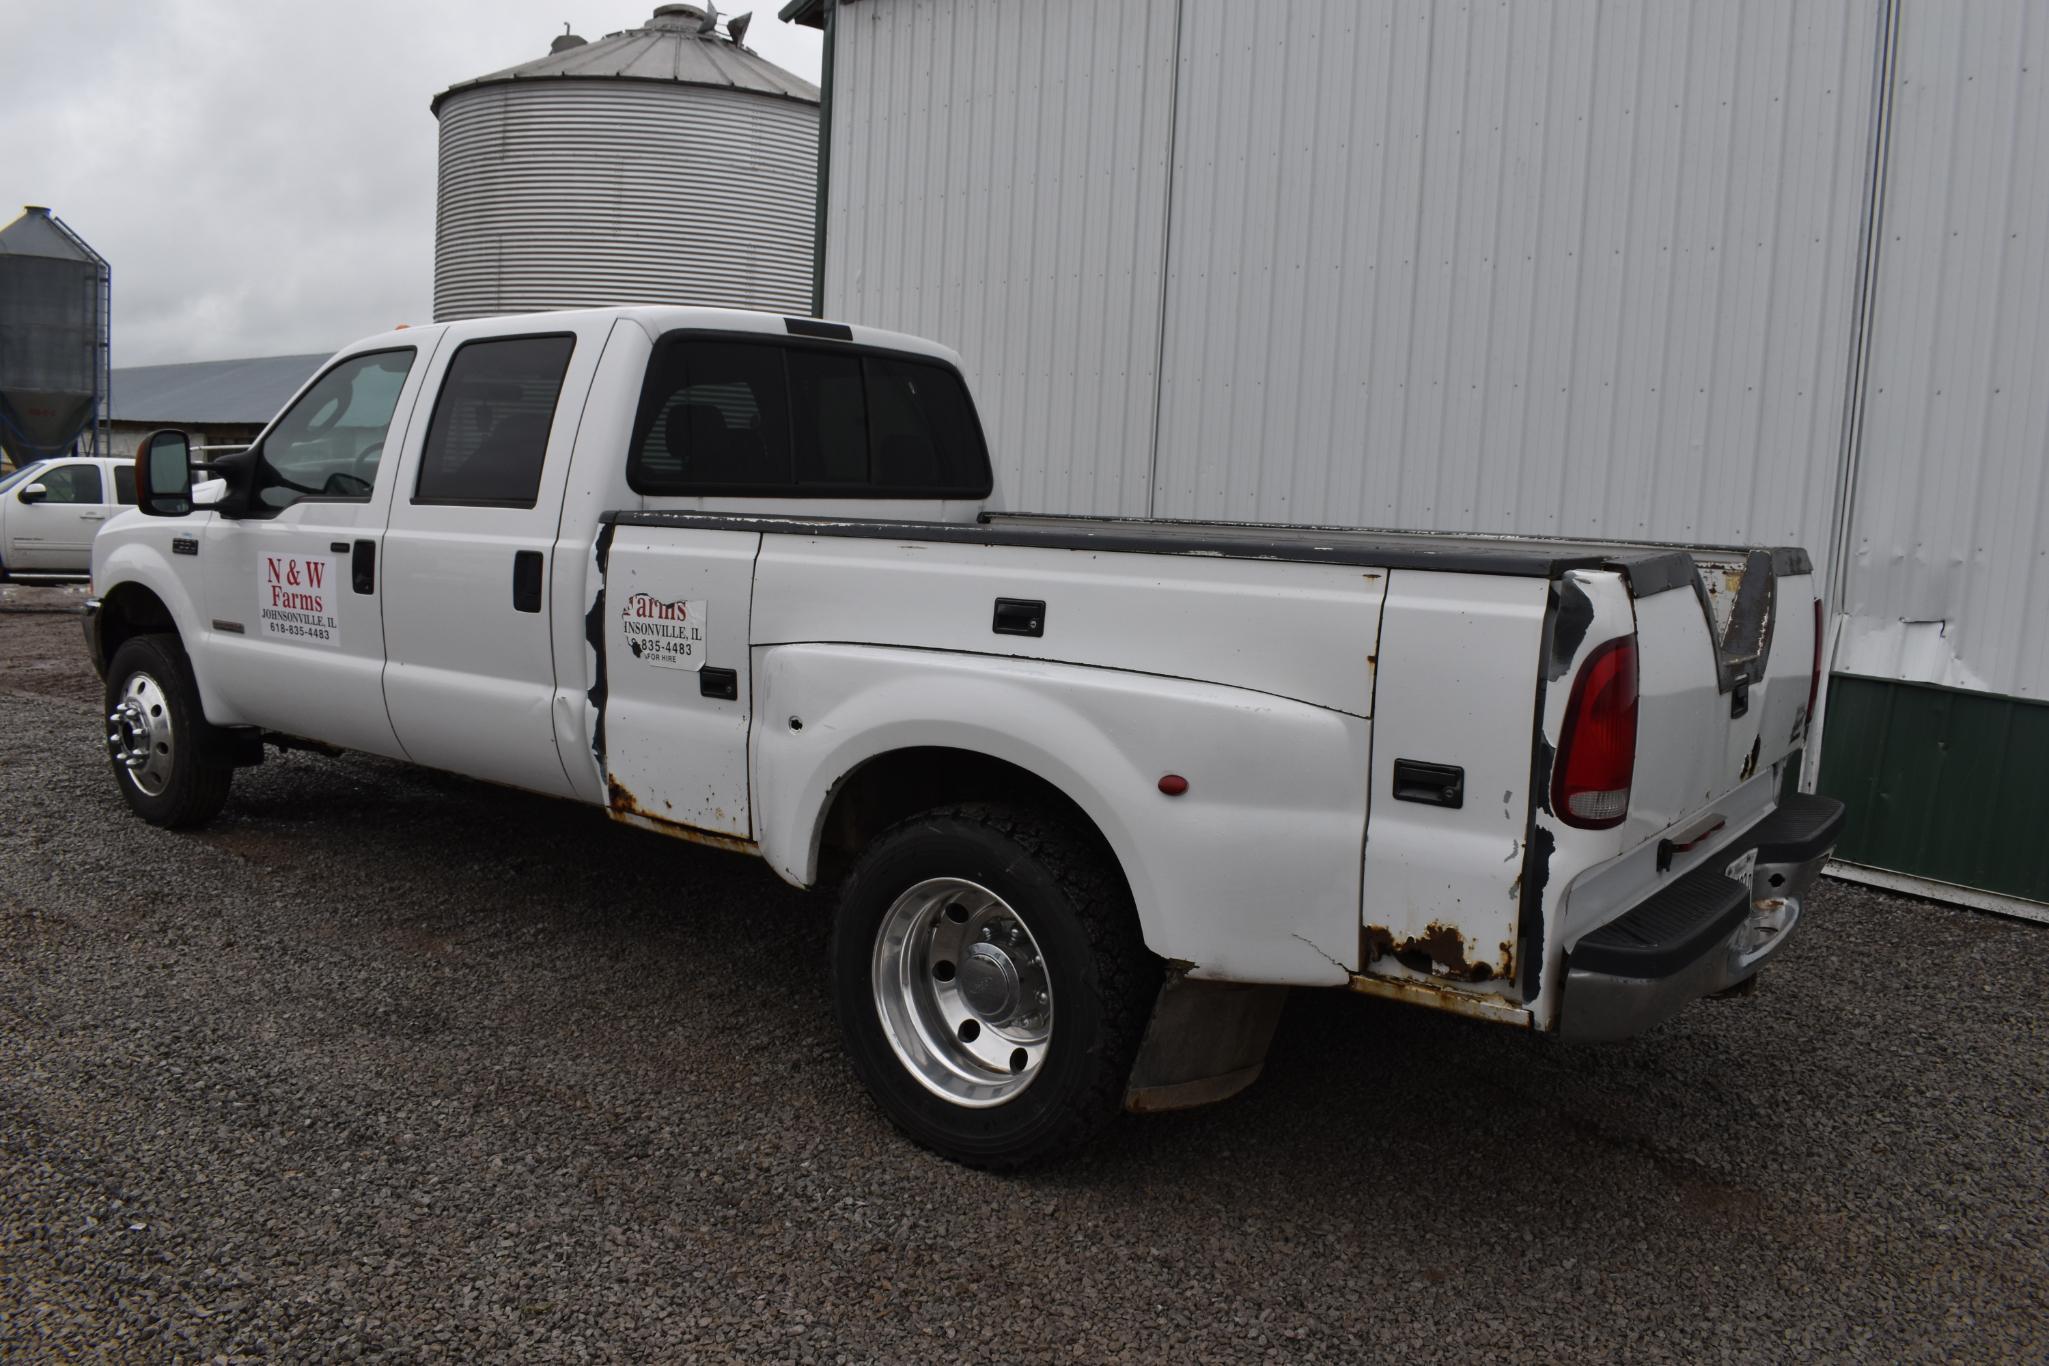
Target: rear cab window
column 724, row 414
column 488, row 438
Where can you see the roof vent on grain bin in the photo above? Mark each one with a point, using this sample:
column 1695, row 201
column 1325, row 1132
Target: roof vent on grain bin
column 664, row 164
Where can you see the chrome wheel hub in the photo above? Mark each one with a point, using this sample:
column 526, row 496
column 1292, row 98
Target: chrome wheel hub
column 139, row 734
column 962, row 991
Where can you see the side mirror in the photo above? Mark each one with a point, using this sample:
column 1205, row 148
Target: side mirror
column 34, row 493
column 163, row 473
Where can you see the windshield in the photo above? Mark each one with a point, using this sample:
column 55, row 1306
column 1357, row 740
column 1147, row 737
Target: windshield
column 21, row 476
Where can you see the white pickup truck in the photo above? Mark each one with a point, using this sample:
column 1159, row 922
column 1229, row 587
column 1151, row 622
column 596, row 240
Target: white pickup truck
column 1096, row 792
column 51, row 510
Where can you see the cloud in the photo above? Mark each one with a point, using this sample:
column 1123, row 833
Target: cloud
column 261, row 175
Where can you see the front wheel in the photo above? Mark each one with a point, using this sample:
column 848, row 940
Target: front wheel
column 168, row 762
column 991, row 983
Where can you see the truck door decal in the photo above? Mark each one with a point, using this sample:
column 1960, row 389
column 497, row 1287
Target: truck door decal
column 297, row 600
column 668, row 634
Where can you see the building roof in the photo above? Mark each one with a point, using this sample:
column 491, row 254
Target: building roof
column 248, row 391
column 673, row 47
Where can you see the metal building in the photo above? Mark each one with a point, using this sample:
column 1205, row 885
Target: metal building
column 53, row 338
column 1677, row 270
column 663, row 164
column 223, row 403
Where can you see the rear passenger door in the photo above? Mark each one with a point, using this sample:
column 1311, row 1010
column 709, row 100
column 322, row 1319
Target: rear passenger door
column 469, row 671
column 779, row 424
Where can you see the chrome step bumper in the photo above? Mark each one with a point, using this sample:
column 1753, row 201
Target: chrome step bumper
column 1704, row 933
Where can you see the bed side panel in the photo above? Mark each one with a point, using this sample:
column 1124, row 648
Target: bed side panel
column 1457, row 686
column 1301, row 631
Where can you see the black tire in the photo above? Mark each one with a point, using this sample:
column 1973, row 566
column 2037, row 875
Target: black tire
column 191, row 783
column 1066, row 888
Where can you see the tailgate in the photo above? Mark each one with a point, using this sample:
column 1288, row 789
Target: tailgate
column 1725, row 664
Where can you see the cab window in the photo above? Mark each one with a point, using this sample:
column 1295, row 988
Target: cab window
column 328, row 445
column 71, row 484
column 727, row 414
column 124, row 485
column 488, row 437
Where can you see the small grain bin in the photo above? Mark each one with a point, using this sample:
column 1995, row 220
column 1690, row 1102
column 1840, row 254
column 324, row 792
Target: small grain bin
column 53, row 338
column 664, row 164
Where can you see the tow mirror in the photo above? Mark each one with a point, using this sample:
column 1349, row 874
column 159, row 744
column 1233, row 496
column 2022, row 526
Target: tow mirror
column 163, row 473
column 34, row 493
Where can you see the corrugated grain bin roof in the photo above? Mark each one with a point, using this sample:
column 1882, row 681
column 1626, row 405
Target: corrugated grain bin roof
column 672, row 47
column 33, row 234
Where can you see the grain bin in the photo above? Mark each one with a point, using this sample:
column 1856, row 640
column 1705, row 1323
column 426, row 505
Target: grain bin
column 663, row 164
column 53, row 338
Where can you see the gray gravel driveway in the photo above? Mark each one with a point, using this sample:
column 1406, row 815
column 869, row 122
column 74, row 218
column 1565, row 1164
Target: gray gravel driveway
column 388, row 1063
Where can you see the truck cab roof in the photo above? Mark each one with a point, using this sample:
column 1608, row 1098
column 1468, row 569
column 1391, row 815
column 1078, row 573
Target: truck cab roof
column 658, row 320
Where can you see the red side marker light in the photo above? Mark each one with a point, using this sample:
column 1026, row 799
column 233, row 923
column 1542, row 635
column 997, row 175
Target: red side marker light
column 1173, row 784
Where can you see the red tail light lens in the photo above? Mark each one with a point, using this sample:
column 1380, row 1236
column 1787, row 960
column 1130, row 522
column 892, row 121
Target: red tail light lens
column 1814, row 679
column 1597, row 752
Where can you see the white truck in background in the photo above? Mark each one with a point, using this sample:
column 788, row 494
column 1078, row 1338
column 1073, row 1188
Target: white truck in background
column 50, row 510
column 1096, row 792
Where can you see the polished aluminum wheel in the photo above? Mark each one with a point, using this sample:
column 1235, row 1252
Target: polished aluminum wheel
column 963, row 992
column 139, row 734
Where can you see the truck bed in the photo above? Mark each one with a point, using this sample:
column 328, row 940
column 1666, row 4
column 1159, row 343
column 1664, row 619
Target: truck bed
column 1650, row 568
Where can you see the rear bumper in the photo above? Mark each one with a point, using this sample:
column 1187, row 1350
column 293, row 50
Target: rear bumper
column 1704, row 933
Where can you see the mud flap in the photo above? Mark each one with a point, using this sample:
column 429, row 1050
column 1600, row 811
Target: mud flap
column 1206, row 1042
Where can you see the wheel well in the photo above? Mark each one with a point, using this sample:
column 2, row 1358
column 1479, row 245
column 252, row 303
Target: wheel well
column 129, row 611
column 893, row 786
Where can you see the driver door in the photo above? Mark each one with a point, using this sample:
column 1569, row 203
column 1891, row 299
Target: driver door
column 54, row 533
column 295, row 637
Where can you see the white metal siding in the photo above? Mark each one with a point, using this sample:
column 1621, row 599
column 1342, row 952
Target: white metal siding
column 566, row 194
column 1515, row 267
column 1948, row 576
column 999, row 183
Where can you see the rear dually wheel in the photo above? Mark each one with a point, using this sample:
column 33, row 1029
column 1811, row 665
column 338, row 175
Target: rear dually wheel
column 991, row 983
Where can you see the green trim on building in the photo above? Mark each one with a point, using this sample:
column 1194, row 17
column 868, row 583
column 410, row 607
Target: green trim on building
column 1941, row 783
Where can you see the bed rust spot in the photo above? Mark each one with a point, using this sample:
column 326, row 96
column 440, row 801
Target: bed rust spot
column 1440, row 949
column 624, row 806
column 1446, row 946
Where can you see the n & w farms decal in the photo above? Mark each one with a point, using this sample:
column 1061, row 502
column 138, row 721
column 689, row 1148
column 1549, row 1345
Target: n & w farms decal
column 299, row 599
column 670, row 634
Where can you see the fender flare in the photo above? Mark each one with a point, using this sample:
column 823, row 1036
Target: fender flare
column 1103, row 739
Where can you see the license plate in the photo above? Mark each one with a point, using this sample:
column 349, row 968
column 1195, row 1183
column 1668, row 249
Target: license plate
column 1740, row 870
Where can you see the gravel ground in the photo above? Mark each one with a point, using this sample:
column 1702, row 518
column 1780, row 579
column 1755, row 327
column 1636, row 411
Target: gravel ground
column 388, row 1063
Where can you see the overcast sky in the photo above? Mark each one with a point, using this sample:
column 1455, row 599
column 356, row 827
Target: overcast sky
column 260, row 173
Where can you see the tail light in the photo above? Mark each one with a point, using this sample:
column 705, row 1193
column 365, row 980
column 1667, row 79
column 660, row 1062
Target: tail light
column 1597, row 751
column 1814, row 679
